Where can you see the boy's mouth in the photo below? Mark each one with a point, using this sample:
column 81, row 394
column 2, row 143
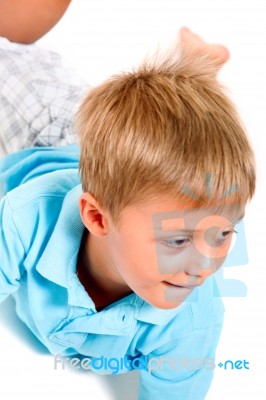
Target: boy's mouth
column 184, row 286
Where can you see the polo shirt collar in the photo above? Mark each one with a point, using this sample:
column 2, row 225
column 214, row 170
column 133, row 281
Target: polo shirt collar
column 60, row 255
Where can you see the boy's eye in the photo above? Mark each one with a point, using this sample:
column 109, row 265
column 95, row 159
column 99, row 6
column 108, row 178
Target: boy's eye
column 179, row 243
column 228, row 234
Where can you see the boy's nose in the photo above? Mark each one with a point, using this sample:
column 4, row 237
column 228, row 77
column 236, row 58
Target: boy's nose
column 201, row 265
column 200, row 272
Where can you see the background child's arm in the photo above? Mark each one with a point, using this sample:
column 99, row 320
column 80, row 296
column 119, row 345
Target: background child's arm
column 25, row 21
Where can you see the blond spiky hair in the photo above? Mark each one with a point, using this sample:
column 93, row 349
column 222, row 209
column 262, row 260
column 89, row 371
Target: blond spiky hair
column 161, row 129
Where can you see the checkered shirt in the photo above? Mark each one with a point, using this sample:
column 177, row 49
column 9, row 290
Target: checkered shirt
column 39, row 96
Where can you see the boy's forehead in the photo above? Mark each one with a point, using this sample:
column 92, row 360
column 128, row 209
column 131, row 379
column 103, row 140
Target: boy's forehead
column 195, row 217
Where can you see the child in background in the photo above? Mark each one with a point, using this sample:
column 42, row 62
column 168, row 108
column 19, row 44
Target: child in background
column 111, row 230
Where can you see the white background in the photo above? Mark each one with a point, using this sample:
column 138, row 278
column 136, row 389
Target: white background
column 103, row 37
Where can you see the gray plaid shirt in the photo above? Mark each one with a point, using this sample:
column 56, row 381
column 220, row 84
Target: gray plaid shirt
column 38, row 98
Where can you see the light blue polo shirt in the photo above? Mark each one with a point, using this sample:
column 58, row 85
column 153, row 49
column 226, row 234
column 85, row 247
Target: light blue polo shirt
column 41, row 232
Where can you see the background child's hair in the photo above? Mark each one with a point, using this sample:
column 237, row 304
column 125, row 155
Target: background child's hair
column 166, row 128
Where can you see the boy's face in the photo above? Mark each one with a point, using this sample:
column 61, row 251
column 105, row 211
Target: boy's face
column 162, row 245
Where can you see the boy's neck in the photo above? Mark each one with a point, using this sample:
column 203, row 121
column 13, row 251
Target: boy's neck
column 95, row 274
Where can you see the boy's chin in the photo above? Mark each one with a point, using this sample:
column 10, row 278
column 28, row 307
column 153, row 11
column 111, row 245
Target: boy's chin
column 166, row 305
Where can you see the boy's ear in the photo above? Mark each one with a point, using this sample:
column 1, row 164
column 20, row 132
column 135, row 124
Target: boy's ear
column 92, row 215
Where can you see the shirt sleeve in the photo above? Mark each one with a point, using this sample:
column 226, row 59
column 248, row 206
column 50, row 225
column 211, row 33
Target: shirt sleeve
column 181, row 369
column 12, row 252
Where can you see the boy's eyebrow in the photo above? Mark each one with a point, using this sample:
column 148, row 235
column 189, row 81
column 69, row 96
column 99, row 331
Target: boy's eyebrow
column 169, row 225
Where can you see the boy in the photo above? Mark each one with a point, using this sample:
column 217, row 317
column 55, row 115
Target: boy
column 117, row 264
